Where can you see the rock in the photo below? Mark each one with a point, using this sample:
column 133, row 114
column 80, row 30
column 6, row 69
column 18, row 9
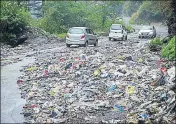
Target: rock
column 171, row 73
column 61, row 120
column 49, row 121
column 16, row 41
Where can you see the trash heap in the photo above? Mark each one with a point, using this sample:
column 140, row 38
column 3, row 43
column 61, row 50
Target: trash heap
column 28, row 48
column 107, row 84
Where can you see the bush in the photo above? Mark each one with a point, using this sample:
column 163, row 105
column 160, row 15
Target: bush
column 14, row 19
column 129, row 28
column 168, row 51
column 156, row 41
column 166, row 39
column 151, row 11
column 62, row 36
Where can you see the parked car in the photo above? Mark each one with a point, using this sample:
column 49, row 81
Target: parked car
column 147, row 31
column 117, row 31
column 82, row 36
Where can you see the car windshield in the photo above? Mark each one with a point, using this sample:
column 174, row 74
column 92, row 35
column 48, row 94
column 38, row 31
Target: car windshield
column 76, row 31
column 116, row 27
column 146, row 28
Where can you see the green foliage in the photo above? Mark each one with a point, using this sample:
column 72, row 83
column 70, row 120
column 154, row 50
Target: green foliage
column 169, row 51
column 156, row 41
column 150, row 11
column 60, row 16
column 62, row 35
column 133, row 18
column 130, row 7
column 166, row 39
column 127, row 27
column 14, row 18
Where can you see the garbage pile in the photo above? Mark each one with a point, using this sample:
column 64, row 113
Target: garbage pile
column 107, row 84
column 31, row 46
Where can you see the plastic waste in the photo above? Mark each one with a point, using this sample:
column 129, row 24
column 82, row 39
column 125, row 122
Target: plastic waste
column 68, row 66
column 119, row 108
column 140, row 60
column 96, row 72
column 95, row 85
column 112, row 88
column 130, row 90
column 19, row 82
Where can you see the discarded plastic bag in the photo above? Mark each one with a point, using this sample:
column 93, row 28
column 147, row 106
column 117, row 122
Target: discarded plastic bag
column 31, row 68
column 140, row 60
column 96, row 72
column 68, row 66
column 19, row 82
column 112, row 88
column 119, row 108
column 130, row 89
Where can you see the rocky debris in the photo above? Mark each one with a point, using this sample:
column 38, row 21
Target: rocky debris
column 34, row 40
column 16, row 41
column 114, row 83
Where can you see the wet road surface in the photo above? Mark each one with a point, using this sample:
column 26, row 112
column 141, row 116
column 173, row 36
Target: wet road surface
column 11, row 102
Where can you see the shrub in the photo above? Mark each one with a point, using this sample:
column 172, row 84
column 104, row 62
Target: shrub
column 156, row 41
column 62, row 35
column 129, row 28
column 14, row 19
column 168, row 51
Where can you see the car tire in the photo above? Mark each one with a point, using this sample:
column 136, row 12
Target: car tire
column 96, row 44
column 86, row 44
column 68, row 45
column 109, row 39
column 122, row 38
column 126, row 38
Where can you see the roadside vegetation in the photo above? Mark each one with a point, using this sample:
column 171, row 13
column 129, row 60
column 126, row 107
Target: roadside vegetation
column 145, row 12
column 14, row 19
column 167, row 46
column 169, row 51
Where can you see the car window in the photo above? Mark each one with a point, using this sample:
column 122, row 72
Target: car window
column 91, row 31
column 116, row 27
column 76, row 31
column 146, row 28
column 88, row 31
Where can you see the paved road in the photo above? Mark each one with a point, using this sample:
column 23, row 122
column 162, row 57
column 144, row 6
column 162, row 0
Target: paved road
column 11, row 102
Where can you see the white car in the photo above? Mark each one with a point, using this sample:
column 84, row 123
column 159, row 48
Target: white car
column 117, row 31
column 83, row 36
column 147, row 31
